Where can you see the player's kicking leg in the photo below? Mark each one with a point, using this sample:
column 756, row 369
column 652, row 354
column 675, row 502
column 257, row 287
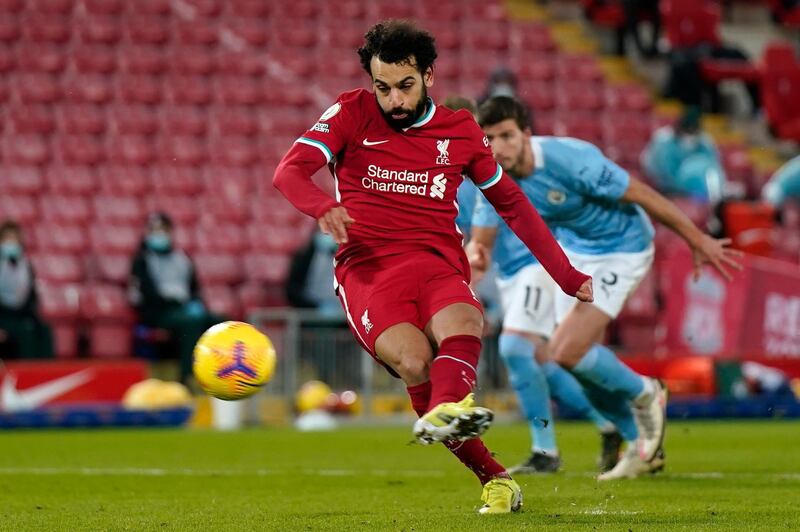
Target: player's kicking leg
column 635, row 404
column 408, row 352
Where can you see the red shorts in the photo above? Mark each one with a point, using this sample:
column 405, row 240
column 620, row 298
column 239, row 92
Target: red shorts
column 411, row 287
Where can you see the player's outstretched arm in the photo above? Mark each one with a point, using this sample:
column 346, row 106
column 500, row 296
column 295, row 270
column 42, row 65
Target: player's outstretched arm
column 293, row 178
column 514, row 207
column 704, row 248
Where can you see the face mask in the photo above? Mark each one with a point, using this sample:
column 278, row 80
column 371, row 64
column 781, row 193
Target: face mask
column 159, row 242
column 10, row 250
column 502, row 89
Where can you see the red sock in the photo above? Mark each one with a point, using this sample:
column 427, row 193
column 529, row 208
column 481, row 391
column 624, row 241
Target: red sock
column 472, row 453
column 453, row 371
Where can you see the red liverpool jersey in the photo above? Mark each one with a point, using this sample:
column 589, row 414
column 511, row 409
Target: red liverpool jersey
column 400, row 186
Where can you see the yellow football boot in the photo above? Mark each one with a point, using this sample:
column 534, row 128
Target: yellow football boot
column 501, row 496
column 453, row 421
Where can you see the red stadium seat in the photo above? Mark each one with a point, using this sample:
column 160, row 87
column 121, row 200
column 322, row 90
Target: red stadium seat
column 32, row 119
column 630, row 97
column 238, row 90
column 206, row 8
column 88, row 88
column 106, row 302
column 65, row 209
column 198, row 32
column 121, row 180
column 37, row 88
column 7, row 60
column 61, row 238
column 117, row 209
column 192, row 60
column 573, row 97
column 216, row 268
column 253, row 295
column 58, row 268
column 113, row 269
column 48, row 58
column 689, row 23
column 81, row 119
column 115, row 238
column 190, row 90
column 184, row 120
column 11, row 6
column 233, row 151
column 169, row 180
column 240, row 63
column 26, row 149
column 110, row 319
column 183, row 150
column 143, row 59
column 21, row 180
column 60, row 307
column 220, row 238
column 131, row 149
column 251, row 8
column 281, row 239
column 139, row 89
column 137, row 119
column 9, row 28
column 69, row 180
column 57, row 7
column 104, row 7
column 538, row 67
column 80, row 149
column 233, row 120
column 181, row 208
column 266, row 267
column 222, row 300
column 147, row 30
column 184, row 237
column 530, row 37
column 579, row 67
column 152, row 7
column 46, row 28
column 100, row 29
column 59, row 301
column 94, row 59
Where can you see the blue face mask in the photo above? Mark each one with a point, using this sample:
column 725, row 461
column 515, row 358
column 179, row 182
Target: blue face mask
column 159, row 242
column 10, row 250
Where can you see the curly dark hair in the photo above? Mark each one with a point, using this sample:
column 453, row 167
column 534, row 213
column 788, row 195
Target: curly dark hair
column 398, row 41
column 499, row 108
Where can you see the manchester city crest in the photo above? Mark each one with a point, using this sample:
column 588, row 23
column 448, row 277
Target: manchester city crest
column 556, row 197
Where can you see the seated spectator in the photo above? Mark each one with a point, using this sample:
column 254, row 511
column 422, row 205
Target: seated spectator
column 310, row 283
column 784, row 184
column 501, row 82
column 22, row 333
column 683, row 161
column 165, row 291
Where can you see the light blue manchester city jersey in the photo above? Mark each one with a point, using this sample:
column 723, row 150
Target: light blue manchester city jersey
column 577, row 191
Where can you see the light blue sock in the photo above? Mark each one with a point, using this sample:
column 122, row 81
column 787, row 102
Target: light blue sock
column 601, row 366
column 610, row 385
column 567, row 391
column 530, row 385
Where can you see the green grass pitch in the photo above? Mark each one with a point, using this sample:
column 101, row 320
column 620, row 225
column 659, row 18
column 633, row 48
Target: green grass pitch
column 720, row 476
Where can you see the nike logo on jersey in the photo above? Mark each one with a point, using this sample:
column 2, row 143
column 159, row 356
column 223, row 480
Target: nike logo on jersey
column 373, row 143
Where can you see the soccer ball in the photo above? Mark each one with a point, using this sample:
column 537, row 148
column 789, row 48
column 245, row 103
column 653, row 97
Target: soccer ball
column 233, row 360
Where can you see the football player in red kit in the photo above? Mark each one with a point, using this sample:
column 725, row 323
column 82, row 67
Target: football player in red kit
column 402, row 277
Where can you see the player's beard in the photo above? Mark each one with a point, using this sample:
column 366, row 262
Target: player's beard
column 411, row 115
